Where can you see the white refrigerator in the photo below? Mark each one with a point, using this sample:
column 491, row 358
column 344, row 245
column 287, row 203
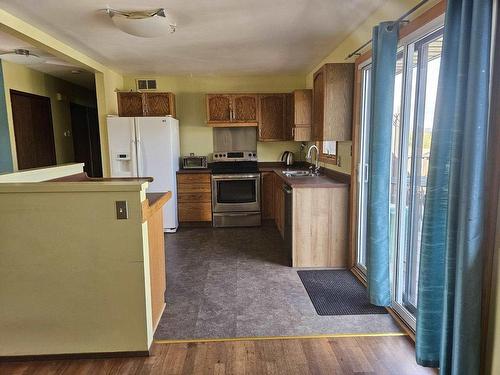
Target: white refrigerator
column 147, row 147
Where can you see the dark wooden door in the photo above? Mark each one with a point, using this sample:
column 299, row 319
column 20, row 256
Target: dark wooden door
column 272, row 117
column 86, row 139
column 33, row 130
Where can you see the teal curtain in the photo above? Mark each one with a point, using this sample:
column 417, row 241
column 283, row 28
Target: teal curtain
column 5, row 150
column 384, row 55
column 449, row 293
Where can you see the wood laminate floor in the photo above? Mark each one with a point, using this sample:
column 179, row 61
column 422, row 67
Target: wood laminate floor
column 345, row 355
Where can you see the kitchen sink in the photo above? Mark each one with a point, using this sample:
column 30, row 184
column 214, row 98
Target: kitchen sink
column 297, row 174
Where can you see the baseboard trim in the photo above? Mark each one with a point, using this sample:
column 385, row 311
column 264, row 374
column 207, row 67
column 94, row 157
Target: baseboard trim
column 52, row 357
column 325, row 336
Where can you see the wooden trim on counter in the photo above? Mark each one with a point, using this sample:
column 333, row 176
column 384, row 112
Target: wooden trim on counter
column 153, row 202
column 336, row 175
column 83, row 177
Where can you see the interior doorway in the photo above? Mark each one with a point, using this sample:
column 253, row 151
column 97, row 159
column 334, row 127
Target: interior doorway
column 33, row 130
column 86, row 139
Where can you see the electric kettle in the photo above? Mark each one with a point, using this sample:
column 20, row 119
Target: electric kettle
column 287, row 158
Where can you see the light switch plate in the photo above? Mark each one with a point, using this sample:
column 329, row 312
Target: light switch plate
column 121, row 210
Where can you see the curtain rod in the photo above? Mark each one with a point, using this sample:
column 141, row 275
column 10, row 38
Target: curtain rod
column 400, row 19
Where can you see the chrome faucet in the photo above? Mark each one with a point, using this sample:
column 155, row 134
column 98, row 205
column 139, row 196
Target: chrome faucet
column 309, row 157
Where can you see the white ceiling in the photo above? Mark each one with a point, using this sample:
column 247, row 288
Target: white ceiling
column 51, row 65
column 212, row 37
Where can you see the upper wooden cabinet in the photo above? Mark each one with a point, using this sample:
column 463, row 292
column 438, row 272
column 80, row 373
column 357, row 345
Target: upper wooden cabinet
column 130, row 104
column 299, row 115
column 232, row 109
column 332, row 102
column 218, row 108
column 137, row 104
column 272, row 118
column 159, row 103
column 245, row 108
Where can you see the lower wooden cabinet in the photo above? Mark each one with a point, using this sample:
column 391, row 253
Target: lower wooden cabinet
column 273, row 199
column 279, row 204
column 267, row 194
column 320, row 227
column 194, row 197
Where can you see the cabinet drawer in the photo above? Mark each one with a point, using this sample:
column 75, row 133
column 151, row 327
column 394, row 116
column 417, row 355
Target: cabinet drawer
column 191, row 178
column 193, row 188
column 183, row 197
column 195, row 212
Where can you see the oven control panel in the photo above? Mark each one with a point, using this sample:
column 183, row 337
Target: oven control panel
column 235, row 156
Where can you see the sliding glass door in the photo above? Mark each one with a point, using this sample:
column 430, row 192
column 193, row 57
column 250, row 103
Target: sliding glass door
column 416, row 89
column 365, row 72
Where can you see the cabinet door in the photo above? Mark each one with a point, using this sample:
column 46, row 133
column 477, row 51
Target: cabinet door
column 339, row 86
column 267, row 195
column 318, row 105
column 245, row 108
column 289, row 116
column 158, row 104
column 302, row 102
column 130, row 104
column 218, row 108
column 279, row 204
column 272, row 117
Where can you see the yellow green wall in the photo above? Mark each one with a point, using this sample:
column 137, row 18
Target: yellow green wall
column 21, row 78
column 74, row 279
column 190, row 92
column 107, row 80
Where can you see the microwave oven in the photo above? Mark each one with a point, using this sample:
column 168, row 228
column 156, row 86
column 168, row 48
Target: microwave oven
column 194, row 162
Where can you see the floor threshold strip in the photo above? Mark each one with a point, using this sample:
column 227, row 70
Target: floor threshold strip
column 323, row 336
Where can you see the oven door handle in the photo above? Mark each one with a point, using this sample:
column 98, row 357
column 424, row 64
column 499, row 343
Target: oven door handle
column 240, row 214
column 235, row 177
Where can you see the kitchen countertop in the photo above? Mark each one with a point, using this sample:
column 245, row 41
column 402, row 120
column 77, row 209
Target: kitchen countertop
column 321, row 181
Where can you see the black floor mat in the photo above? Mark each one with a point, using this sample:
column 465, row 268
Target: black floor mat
column 337, row 292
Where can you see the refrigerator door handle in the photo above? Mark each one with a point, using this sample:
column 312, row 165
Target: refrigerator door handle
column 141, row 160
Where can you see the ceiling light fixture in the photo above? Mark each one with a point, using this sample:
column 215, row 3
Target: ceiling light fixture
column 146, row 24
column 22, row 56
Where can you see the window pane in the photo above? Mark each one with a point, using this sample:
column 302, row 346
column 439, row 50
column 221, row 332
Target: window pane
column 418, row 159
column 330, row 148
column 363, row 170
column 412, row 133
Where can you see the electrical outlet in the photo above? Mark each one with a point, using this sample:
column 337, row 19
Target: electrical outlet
column 121, row 210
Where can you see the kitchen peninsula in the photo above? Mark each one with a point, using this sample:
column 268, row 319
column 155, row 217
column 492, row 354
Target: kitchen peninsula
column 76, row 267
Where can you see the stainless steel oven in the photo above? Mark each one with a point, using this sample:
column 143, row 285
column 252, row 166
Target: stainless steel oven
column 236, row 199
